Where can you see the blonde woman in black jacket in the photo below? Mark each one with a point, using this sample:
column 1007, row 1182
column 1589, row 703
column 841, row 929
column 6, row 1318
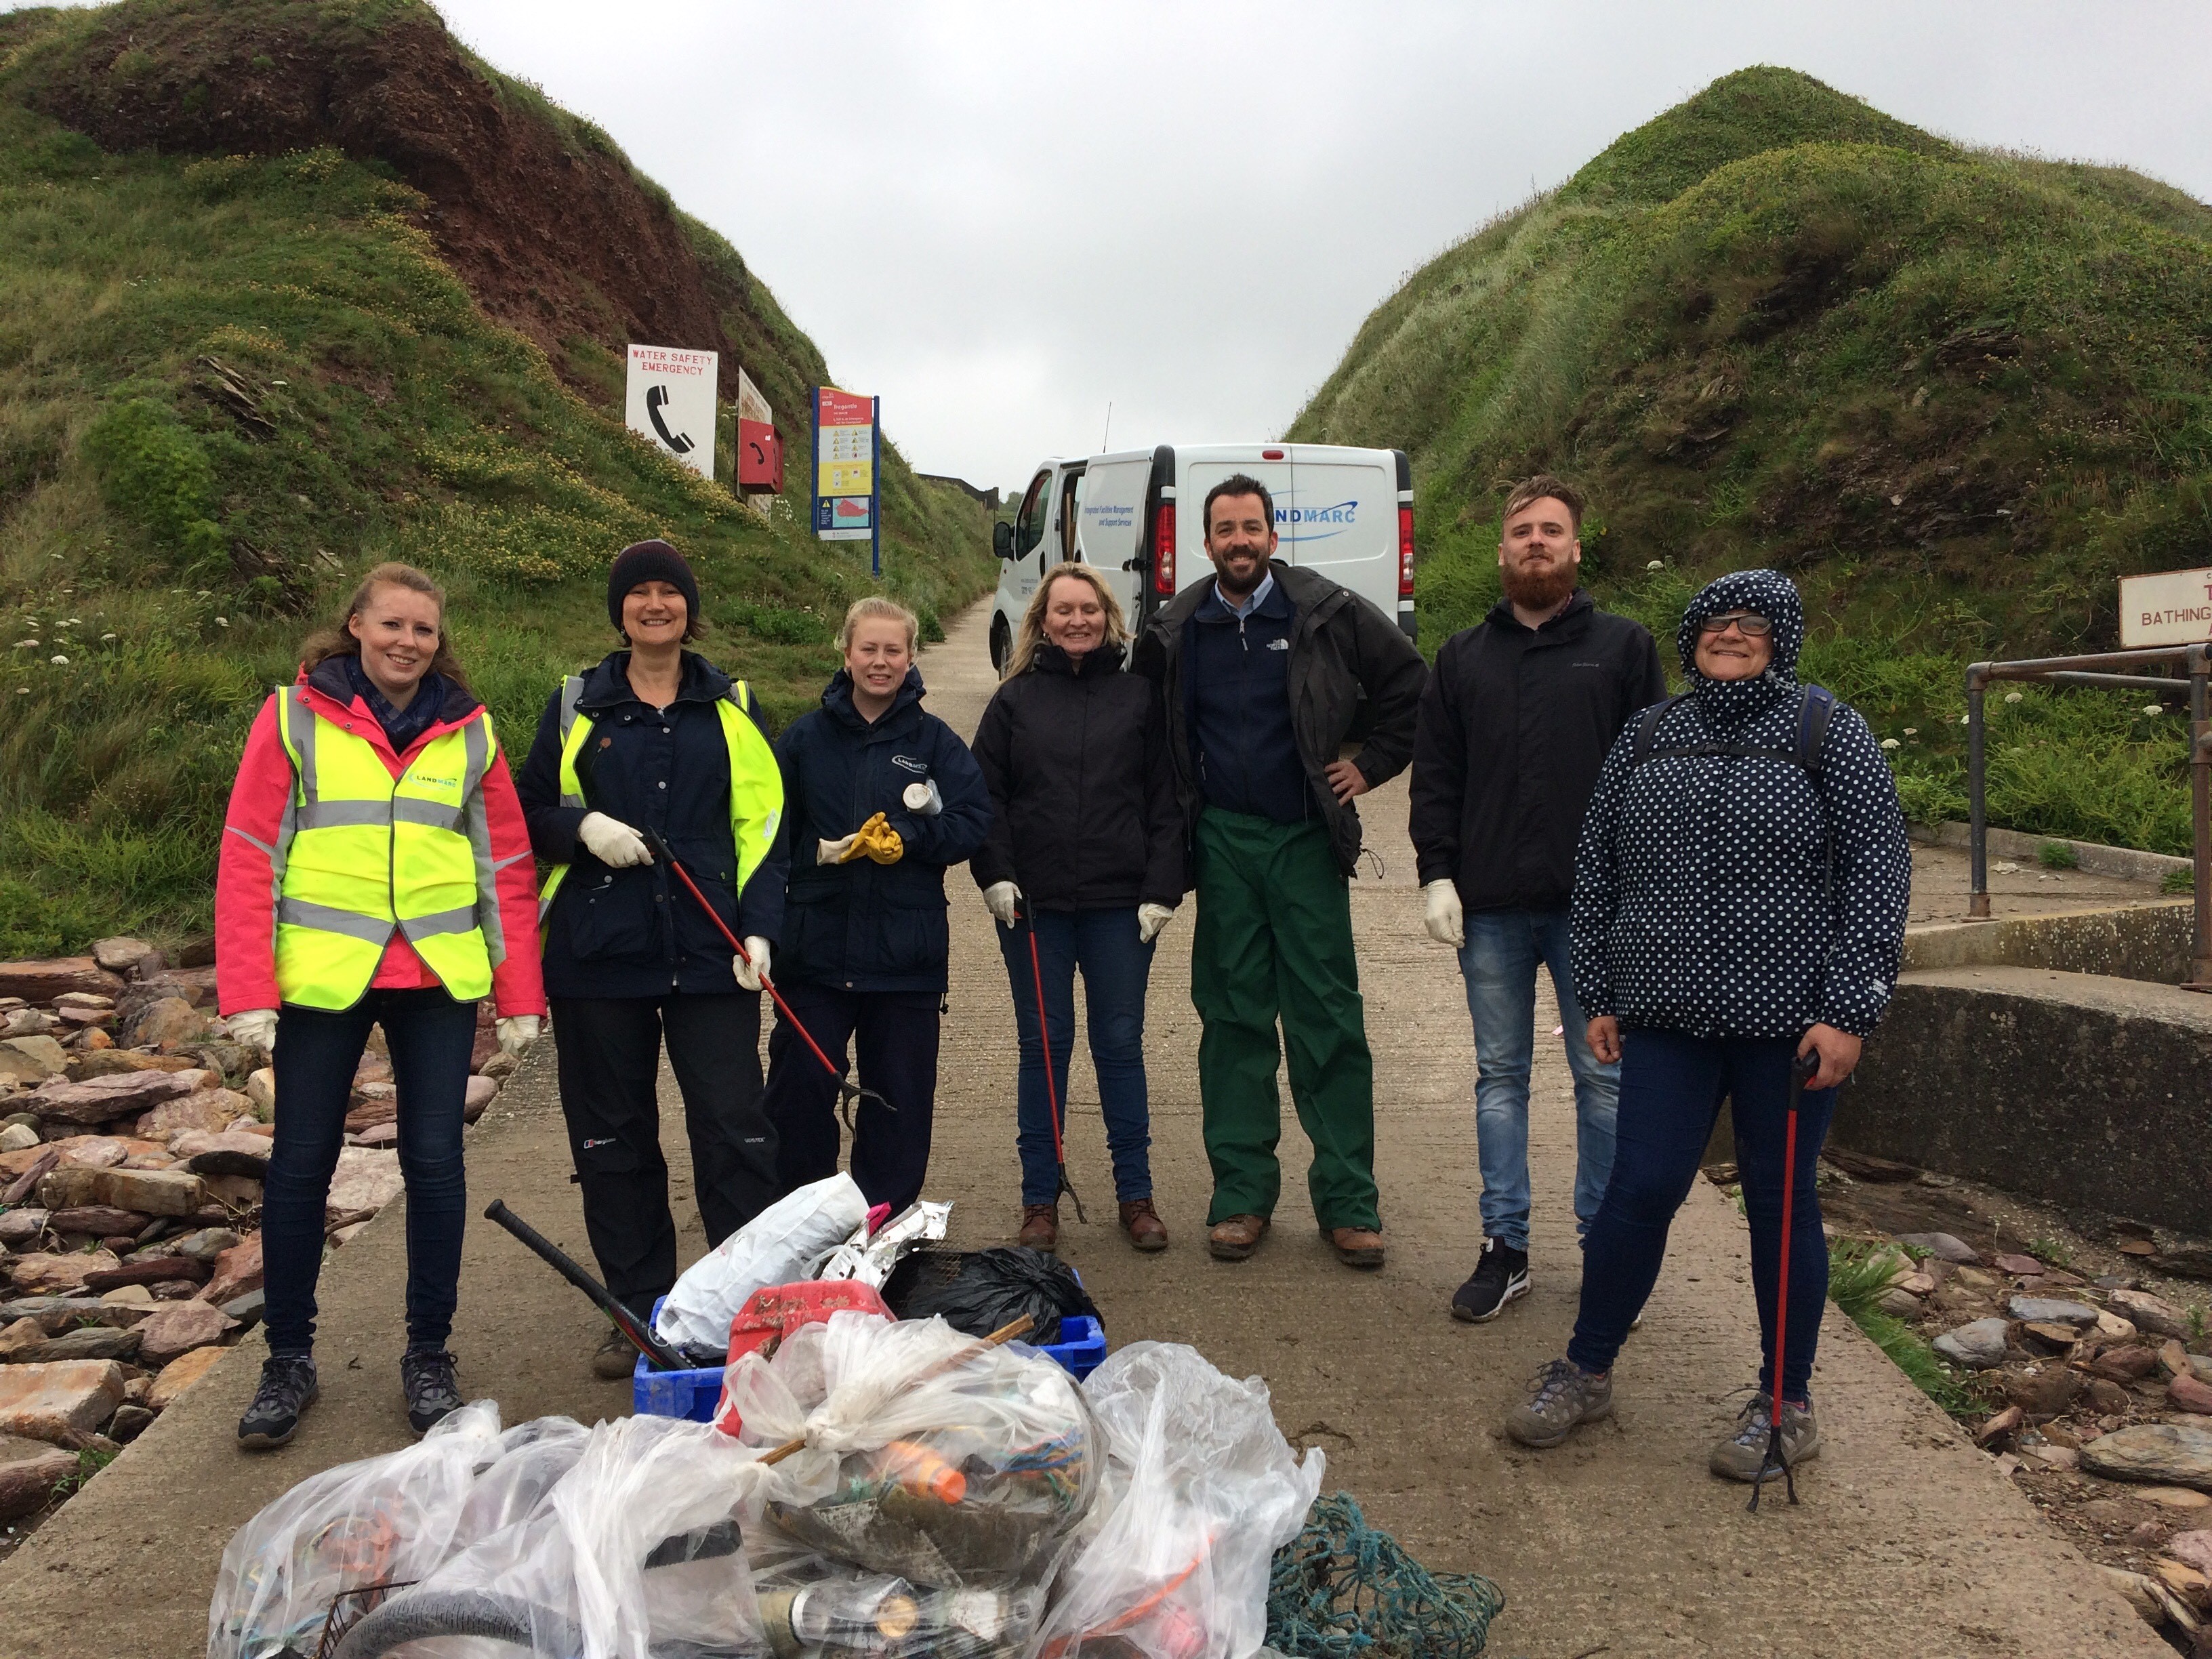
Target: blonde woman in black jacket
column 1085, row 849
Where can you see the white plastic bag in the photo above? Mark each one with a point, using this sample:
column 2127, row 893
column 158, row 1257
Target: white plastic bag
column 1202, row 1491
column 782, row 1243
column 870, row 1257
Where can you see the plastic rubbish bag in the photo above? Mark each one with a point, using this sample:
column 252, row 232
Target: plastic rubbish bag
column 1202, row 1490
column 925, row 1455
column 988, row 1290
column 783, row 1243
column 381, row 1520
column 870, row 1256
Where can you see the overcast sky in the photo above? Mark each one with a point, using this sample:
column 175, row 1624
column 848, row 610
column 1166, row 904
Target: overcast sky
column 1000, row 217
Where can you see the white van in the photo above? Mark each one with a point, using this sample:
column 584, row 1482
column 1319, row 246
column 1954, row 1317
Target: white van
column 1346, row 513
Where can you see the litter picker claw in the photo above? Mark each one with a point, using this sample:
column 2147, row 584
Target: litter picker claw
column 1801, row 1070
column 1051, row 1087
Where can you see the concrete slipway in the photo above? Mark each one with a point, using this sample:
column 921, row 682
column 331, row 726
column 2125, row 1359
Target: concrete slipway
column 1909, row 1541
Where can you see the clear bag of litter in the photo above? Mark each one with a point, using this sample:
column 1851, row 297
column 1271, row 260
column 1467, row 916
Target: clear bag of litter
column 925, row 1455
column 1201, row 1490
column 634, row 1550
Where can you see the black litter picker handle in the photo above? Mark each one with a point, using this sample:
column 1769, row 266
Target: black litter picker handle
column 555, row 1257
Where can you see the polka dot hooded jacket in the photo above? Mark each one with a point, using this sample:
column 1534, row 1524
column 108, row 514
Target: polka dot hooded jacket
column 1701, row 903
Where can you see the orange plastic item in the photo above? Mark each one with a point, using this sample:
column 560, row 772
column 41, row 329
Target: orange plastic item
column 774, row 1312
column 921, row 1472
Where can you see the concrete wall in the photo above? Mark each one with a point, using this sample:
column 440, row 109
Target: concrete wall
column 2128, row 863
column 2073, row 1088
column 2144, row 942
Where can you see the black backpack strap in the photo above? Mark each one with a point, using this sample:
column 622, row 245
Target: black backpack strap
column 1647, row 729
column 1815, row 711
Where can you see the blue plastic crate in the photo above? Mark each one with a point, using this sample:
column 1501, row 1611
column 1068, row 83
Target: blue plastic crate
column 1082, row 1346
column 692, row 1394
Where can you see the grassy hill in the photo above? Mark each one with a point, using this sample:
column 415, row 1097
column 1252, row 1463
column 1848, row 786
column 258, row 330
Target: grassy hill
column 1956, row 393
column 287, row 288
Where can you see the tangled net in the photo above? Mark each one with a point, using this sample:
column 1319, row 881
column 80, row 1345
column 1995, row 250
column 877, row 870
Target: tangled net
column 1342, row 1590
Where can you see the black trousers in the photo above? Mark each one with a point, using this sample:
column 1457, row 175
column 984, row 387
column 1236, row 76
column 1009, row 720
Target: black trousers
column 896, row 1047
column 609, row 1050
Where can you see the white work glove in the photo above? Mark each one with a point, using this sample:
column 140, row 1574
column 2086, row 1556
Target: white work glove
column 752, row 968
column 922, row 799
column 612, row 842
column 1150, row 918
column 516, row 1033
column 1001, row 898
column 256, row 1028
column 1447, row 923
column 833, row 852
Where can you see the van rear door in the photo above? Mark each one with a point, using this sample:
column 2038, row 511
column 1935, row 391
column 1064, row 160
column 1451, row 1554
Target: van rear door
column 1112, row 523
column 1340, row 517
column 1199, row 470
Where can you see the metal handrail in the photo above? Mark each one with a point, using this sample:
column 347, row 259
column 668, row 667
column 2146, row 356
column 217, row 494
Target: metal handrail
column 2195, row 662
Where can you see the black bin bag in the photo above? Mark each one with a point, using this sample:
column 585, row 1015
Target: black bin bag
column 979, row 1292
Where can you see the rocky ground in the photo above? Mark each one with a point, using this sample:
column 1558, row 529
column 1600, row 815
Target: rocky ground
column 134, row 1135
column 2076, row 1352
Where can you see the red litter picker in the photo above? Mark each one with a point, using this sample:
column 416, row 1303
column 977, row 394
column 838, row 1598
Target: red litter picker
column 1051, row 1087
column 1800, row 1073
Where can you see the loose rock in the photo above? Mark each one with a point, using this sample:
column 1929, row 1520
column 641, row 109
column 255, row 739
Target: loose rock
column 261, row 1093
column 479, row 1093
column 101, row 1099
column 232, row 1155
column 2044, row 1392
column 2195, row 1548
column 179, row 1328
column 148, row 1270
column 93, row 1342
column 210, row 1109
column 166, row 1022
column 21, row 1334
column 1978, row 1345
column 237, row 1271
column 48, row 1059
column 98, row 1219
column 2021, row 1265
column 61, row 1402
column 1944, row 1245
column 180, row 1374
column 2160, row 1453
column 2151, row 1313
column 151, row 1192
column 128, row 1422
column 43, row 981
column 29, row 1472
column 2189, row 1394
column 120, row 956
column 2125, row 1364
column 248, row 1309
column 366, row 1180
column 2050, row 1310
column 43, row 1274
column 21, row 1227
column 205, row 1245
column 15, row 1137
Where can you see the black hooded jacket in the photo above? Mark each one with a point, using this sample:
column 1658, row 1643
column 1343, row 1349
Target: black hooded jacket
column 1727, row 895
column 1074, row 753
column 1515, row 723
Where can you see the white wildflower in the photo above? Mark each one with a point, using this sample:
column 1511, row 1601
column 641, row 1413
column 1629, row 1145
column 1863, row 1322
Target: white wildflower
column 107, row 639
column 1911, row 731
column 1891, row 743
column 2154, row 708
column 59, row 662
column 2012, row 696
column 222, row 622
column 1656, row 564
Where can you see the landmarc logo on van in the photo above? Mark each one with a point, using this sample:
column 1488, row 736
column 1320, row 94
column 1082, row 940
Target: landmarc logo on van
column 1314, row 524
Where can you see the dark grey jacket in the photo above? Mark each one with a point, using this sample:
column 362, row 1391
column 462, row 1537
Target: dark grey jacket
column 1343, row 648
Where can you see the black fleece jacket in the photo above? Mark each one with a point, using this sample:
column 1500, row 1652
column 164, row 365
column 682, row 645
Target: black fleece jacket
column 1514, row 726
column 1074, row 753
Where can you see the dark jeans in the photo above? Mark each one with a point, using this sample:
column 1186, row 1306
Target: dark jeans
column 893, row 1035
column 429, row 1036
column 1671, row 1089
column 1116, row 965
column 609, row 1050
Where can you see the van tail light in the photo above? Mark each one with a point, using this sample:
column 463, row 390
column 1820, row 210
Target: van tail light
column 1405, row 552
column 1164, row 566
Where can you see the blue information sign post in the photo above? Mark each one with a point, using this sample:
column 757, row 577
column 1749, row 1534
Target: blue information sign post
column 848, row 448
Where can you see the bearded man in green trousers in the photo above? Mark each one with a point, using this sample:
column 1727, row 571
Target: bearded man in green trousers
column 1260, row 672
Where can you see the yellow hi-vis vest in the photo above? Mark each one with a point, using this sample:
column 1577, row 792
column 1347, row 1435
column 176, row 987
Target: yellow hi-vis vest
column 755, row 779
column 362, row 854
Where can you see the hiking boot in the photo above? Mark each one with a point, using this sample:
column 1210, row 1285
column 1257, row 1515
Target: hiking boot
column 426, row 1375
column 1738, row 1455
column 1560, row 1396
column 1235, row 1238
column 288, row 1389
column 1500, row 1276
column 1356, row 1247
column 1143, row 1224
column 615, row 1357
column 1040, row 1227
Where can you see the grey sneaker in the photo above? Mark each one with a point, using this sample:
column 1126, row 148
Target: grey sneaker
column 1738, row 1455
column 1561, row 1396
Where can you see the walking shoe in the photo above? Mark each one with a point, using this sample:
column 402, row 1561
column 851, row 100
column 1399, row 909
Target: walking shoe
column 1738, row 1455
column 426, row 1375
column 288, row 1389
column 615, row 1357
column 1500, row 1276
column 1355, row 1247
column 1235, row 1238
column 1560, row 1396
column 1040, row 1227
column 1143, row 1224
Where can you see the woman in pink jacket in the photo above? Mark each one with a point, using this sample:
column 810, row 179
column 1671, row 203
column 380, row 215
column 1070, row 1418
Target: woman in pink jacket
column 375, row 871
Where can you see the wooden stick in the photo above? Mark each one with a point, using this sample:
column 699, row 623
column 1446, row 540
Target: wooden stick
column 1004, row 1333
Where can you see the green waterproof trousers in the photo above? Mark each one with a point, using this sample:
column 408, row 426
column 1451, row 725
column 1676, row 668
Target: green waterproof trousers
column 1274, row 939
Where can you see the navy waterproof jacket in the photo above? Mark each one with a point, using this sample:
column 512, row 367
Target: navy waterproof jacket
column 864, row 926
column 1731, row 896
column 639, row 933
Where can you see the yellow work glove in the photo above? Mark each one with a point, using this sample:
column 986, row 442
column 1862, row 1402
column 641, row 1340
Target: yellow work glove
column 876, row 839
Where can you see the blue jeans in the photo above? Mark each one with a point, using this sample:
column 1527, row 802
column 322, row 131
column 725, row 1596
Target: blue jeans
column 430, row 1036
column 1503, row 950
column 1671, row 1089
column 1116, row 967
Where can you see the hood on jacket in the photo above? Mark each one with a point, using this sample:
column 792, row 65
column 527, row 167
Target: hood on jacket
column 1769, row 592
column 837, row 698
column 1104, row 658
column 606, row 684
column 330, row 678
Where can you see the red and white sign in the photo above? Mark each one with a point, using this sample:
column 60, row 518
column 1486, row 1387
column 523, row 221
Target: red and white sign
column 671, row 403
column 760, row 451
column 2170, row 607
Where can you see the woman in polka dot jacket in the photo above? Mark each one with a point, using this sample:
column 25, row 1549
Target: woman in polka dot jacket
column 1731, row 912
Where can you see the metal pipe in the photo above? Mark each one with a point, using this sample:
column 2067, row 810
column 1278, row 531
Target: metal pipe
column 1978, row 900
column 2145, row 682
column 2032, row 668
column 2200, row 812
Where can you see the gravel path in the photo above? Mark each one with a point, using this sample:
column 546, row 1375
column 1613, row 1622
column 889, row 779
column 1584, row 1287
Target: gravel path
column 1908, row 1542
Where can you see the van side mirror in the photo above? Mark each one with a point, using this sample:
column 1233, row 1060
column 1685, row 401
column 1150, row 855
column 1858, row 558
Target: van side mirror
column 1002, row 539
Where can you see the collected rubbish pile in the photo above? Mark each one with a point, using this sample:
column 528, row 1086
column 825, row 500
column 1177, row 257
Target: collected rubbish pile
column 869, row 1486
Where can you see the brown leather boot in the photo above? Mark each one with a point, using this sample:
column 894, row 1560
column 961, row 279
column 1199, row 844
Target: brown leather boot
column 1040, row 1227
column 1355, row 1247
column 1143, row 1224
column 1235, row 1238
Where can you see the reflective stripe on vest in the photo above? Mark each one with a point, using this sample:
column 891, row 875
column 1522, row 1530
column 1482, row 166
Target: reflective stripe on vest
column 755, row 779
column 363, row 854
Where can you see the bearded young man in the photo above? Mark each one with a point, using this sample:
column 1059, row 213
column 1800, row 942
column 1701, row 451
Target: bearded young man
column 1515, row 725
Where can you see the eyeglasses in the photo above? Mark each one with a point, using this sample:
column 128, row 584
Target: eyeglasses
column 1749, row 624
